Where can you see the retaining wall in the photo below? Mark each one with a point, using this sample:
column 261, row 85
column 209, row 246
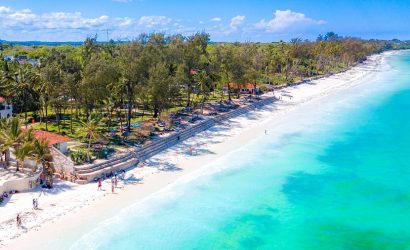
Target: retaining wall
column 89, row 172
column 21, row 184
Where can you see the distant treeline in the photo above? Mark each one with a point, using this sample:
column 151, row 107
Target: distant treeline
column 157, row 72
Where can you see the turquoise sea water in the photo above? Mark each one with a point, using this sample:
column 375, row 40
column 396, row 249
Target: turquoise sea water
column 339, row 178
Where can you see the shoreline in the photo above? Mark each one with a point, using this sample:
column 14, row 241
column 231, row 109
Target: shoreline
column 86, row 211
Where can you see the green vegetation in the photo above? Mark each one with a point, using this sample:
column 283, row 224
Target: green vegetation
column 156, row 74
column 24, row 146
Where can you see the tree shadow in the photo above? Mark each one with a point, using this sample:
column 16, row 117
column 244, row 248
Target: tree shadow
column 132, row 179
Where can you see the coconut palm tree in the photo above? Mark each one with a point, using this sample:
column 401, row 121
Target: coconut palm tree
column 90, row 130
column 21, row 83
column 12, row 136
column 23, row 152
column 204, row 82
column 41, row 154
column 2, row 147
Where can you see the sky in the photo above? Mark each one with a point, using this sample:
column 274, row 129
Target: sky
column 224, row 20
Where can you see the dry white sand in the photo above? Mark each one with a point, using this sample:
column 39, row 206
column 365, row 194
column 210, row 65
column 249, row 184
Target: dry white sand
column 69, row 210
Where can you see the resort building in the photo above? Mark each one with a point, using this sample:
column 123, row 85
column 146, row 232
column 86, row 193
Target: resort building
column 55, row 140
column 22, row 60
column 249, row 88
column 6, row 109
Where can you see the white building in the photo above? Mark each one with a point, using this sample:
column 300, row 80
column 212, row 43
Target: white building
column 6, row 110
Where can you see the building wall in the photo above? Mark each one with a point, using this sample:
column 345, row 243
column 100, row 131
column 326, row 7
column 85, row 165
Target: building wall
column 20, row 184
column 6, row 111
column 62, row 147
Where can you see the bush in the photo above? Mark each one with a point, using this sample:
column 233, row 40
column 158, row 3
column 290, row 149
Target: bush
column 264, row 88
column 79, row 157
column 102, row 154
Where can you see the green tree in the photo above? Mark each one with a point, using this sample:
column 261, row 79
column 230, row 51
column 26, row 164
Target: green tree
column 90, row 130
column 12, row 136
column 40, row 153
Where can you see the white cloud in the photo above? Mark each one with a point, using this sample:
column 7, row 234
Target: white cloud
column 24, row 15
column 237, row 21
column 55, row 20
column 284, row 19
column 151, row 21
column 4, row 9
column 25, row 24
column 125, row 21
column 74, row 20
column 216, row 19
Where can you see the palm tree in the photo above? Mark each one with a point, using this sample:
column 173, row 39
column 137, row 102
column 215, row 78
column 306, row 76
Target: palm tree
column 203, row 81
column 12, row 136
column 2, row 147
column 41, row 154
column 21, row 83
column 22, row 153
column 90, row 130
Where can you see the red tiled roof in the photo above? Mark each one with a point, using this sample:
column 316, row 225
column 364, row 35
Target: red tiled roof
column 243, row 86
column 247, row 86
column 2, row 100
column 52, row 138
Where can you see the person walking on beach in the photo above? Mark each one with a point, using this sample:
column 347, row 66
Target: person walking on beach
column 99, row 184
column 115, row 180
column 18, row 220
column 112, row 185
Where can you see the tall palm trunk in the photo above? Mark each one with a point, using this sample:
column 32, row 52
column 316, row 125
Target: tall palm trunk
column 71, row 119
column 25, row 117
column 188, row 104
column 130, row 98
column 46, row 112
column 229, row 92
column 7, row 157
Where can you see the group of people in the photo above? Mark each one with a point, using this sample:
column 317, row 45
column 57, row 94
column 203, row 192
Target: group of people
column 4, row 196
column 7, row 195
column 114, row 181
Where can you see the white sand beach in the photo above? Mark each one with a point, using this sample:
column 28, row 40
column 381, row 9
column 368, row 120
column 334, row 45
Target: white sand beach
column 77, row 208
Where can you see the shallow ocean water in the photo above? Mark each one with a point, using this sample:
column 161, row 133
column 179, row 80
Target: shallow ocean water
column 337, row 176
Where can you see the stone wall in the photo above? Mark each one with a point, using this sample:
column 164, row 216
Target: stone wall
column 89, row 172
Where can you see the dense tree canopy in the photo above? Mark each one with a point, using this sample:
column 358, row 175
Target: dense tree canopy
column 157, row 72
